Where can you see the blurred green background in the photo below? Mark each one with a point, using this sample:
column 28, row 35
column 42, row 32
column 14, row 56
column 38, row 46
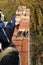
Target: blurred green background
column 36, row 14
column 9, row 8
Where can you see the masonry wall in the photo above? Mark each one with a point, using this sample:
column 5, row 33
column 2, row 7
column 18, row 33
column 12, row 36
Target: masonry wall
column 22, row 42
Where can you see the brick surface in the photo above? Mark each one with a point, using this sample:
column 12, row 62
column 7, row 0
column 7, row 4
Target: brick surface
column 17, row 42
column 22, row 42
column 24, row 58
column 24, row 25
column 25, row 45
column 22, row 47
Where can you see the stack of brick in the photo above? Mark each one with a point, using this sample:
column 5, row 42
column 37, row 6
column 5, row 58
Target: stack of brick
column 22, row 15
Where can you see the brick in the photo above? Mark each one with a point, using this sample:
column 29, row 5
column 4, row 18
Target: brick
column 21, row 42
column 25, row 46
column 24, row 58
column 27, row 17
column 24, row 26
column 17, row 42
column 24, row 22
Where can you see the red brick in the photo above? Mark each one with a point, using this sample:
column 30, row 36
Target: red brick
column 24, row 58
column 17, row 42
column 25, row 46
column 22, row 43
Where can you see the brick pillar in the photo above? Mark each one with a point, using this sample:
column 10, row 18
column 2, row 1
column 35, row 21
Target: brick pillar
column 23, row 43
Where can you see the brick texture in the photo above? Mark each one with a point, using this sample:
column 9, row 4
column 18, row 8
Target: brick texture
column 22, row 42
column 22, row 47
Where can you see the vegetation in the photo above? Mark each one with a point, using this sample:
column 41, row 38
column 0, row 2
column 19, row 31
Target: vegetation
column 36, row 18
